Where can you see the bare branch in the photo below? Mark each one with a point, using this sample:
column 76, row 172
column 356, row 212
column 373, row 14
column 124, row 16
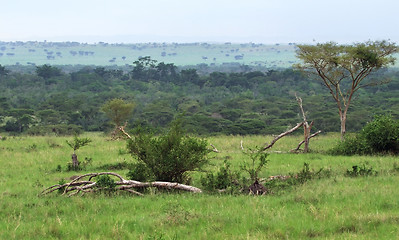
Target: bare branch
column 75, row 186
column 282, row 135
column 300, row 144
column 214, row 148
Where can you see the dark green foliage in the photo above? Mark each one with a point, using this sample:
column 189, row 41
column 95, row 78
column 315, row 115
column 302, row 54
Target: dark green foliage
column 362, row 170
column 232, row 182
column 105, row 183
column 3, row 71
column 282, row 183
column 352, row 145
column 78, row 142
column 31, row 148
column 224, row 179
column 382, row 134
column 59, row 168
column 379, row 136
column 229, row 101
column 140, row 172
column 171, row 156
column 62, row 189
column 47, row 71
column 58, row 129
column 116, row 166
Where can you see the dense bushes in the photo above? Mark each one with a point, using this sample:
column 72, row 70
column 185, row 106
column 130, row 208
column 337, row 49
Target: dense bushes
column 58, row 129
column 379, row 136
column 168, row 157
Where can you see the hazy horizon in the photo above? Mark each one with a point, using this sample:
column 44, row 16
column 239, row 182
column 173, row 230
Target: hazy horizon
column 258, row 21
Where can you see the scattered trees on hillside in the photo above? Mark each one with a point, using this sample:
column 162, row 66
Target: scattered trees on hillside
column 47, row 71
column 343, row 68
column 3, row 71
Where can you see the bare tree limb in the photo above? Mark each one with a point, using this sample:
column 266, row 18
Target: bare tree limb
column 282, row 135
column 122, row 129
column 300, row 144
column 214, row 148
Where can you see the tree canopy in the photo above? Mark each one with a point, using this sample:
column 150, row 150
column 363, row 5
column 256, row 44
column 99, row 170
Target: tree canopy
column 117, row 110
column 344, row 68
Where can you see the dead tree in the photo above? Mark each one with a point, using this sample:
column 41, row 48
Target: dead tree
column 306, row 131
column 282, row 135
column 79, row 185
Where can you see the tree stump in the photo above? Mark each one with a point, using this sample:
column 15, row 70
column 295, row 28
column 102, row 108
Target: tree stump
column 75, row 162
column 257, row 189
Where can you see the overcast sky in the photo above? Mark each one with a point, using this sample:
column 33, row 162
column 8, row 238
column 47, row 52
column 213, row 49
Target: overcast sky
column 259, row 21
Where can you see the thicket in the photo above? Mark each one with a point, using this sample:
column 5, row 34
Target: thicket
column 380, row 136
column 169, row 157
column 246, row 102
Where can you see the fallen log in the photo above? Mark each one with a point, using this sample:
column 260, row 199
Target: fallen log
column 78, row 185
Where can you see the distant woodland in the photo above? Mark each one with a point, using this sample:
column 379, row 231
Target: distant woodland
column 239, row 100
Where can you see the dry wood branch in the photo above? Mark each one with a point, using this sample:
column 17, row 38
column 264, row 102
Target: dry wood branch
column 214, row 148
column 62, row 186
column 300, row 144
column 122, row 129
column 282, row 135
column 77, row 185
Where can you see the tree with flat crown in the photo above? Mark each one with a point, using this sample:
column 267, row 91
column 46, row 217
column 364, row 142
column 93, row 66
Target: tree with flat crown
column 118, row 111
column 342, row 69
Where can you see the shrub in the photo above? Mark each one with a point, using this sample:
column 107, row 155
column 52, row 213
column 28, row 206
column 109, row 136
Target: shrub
column 105, row 184
column 382, row 134
column 59, row 129
column 362, row 170
column 140, row 172
column 258, row 161
column 171, row 156
column 281, row 183
column 223, row 179
column 352, row 145
column 379, row 136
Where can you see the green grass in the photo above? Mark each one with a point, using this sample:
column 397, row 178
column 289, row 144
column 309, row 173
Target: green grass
column 338, row 207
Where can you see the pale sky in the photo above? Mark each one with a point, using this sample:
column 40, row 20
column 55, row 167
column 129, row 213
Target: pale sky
column 259, row 21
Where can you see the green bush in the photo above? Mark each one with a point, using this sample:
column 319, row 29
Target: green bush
column 382, row 134
column 59, row 129
column 140, row 172
column 362, row 170
column 352, row 145
column 379, row 136
column 171, row 156
column 222, row 180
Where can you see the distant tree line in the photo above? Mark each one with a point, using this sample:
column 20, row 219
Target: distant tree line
column 49, row 99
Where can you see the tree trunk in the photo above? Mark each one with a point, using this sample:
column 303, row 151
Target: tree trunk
column 343, row 125
column 75, row 162
column 306, row 133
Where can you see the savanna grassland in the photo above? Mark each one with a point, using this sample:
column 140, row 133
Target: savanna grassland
column 334, row 207
column 103, row 54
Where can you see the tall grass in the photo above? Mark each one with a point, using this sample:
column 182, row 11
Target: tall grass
column 338, row 207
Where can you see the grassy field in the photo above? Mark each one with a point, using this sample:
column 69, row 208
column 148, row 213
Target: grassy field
column 338, row 207
column 37, row 53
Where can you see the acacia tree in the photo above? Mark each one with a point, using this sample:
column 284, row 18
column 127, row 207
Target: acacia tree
column 343, row 68
column 118, row 111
